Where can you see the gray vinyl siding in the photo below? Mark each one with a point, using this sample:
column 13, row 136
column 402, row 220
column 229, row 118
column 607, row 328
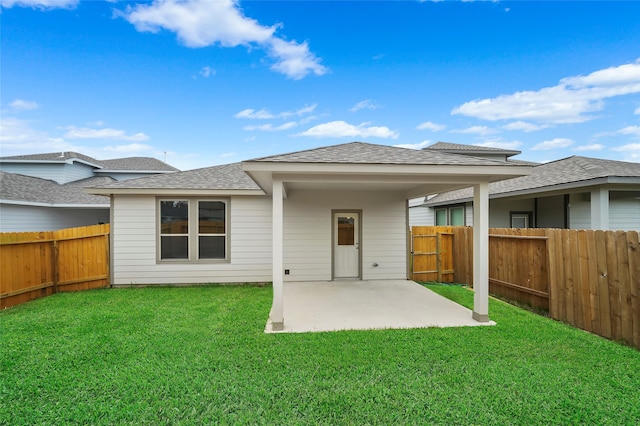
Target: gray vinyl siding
column 134, row 245
column 420, row 216
column 624, row 213
column 16, row 218
column 550, row 212
column 58, row 172
column 580, row 211
column 500, row 209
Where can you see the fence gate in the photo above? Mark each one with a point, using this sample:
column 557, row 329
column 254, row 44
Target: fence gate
column 431, row 255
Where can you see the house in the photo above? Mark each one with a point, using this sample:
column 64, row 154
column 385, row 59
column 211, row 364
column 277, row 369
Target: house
column 330, row 213
column 45, row 192
column 573, row 193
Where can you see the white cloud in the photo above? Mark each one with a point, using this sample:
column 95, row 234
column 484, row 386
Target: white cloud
column 631, row 151
column 553, row 144
column 568, row 102
column 41, row 4
column 17, row 136
column 264, row 114
column 418, row 146
column 128, row 149
column 630, row 130
column 105, row 133
column 270, row 128
column 637, row 111
column 513, row 145
column 366, row 104
column 22, row 105
column 477, row 130
column 590, row 147
column 524, row 126
column 428, row 125
column 207, row 71
column 341, row 129
column 207, row 23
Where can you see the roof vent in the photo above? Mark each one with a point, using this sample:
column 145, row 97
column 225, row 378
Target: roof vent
column 62, row 154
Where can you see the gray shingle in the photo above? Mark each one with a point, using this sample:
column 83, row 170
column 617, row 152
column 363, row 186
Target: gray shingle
column 568, row 170
column 365, row 153
column 447, row 146
column 228, row 176
column 15, row 187
column 138, row 164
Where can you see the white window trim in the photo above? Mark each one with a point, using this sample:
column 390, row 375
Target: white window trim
column 194, row 234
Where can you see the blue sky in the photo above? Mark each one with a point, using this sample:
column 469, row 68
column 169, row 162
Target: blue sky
column 200, row 83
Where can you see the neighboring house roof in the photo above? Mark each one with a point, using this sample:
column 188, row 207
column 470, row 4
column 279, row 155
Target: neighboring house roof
column 366, row 153
column 137, row 164
column 225, row 177
column 454, row 148
column 20, row 189
column 574, row 171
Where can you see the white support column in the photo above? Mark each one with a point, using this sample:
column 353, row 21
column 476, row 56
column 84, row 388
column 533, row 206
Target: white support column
column 277, row 314
column 600, row 209
column 481, row 252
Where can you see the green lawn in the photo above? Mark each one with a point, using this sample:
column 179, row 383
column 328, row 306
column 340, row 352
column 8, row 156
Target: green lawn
column 199, row 356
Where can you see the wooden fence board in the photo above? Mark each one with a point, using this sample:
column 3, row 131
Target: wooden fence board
column 626, row 316
column 38, row 264
column 603, row 284
column 634, row 279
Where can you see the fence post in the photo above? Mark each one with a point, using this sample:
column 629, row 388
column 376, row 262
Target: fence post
column 54, row 265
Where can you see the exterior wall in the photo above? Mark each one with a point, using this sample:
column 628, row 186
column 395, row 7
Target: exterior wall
column 421, row 216
column 16, row 218
column 499, row 211
column 624, row 212
column 134, row 245
column 308, row 229
column 580, row 211
column 550, row 212
column 58, row 172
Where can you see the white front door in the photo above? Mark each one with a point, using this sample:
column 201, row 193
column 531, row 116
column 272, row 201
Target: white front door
column 346, row 245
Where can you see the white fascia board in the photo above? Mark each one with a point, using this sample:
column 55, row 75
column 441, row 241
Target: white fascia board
column 172, row 191
column 66, row 206
column 136, row 171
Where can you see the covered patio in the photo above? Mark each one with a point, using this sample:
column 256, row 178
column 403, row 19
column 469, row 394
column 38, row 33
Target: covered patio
column 367, row 305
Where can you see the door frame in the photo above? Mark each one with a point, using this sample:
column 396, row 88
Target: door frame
column 358, row 213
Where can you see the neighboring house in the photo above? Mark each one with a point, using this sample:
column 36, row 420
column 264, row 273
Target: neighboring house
column 337, row 212
column 574, row 193
column 45, row 192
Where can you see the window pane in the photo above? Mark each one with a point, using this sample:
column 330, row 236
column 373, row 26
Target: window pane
column 441, row 217
column 457, row 216
column 174, row 217
column 519, row 221
column 174, row 247
column 211, row 247
column 211, row 217
column 346, row 231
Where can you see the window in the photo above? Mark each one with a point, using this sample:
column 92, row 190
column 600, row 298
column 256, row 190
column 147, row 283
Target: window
column 452, row 216
column 521, row 219
column 192, row 230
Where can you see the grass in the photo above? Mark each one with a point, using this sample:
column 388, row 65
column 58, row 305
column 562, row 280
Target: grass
column 199, row 356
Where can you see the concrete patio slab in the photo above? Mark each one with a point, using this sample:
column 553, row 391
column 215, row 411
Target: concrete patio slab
column 367, row 305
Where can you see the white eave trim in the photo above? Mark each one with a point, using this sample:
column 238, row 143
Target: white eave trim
column 172, row 191
column 54, row 205
column 136, row 172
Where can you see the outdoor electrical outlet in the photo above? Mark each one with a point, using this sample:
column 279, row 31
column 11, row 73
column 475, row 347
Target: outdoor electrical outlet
column 286, row 272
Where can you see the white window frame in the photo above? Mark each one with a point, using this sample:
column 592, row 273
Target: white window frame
column 193, row 236
column 448, row 214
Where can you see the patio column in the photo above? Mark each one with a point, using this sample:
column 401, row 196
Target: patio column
column 481, row 252
column 600, row 209
column 277, row 314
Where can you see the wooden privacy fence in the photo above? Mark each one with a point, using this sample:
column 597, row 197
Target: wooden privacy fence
column 589, row 279
column 38, row 264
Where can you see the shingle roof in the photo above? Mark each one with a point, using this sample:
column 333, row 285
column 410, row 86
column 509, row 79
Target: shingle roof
column 366, row 153
column 568, row 170
column 129, row 163
column 15, row 187
column 452, row 147
column 228, row 176
column 138, row 164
